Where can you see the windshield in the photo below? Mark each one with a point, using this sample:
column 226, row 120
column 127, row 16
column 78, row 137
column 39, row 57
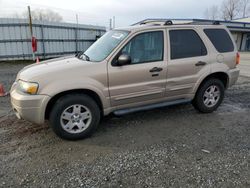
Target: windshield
column 105, row 45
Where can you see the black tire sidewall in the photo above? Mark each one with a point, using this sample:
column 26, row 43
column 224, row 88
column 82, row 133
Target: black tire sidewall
column 198, row 100
column 66, row 101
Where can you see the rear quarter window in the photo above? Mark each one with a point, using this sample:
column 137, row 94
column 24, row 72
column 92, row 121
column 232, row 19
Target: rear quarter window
column 220, row 39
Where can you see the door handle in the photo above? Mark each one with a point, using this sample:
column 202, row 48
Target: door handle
column 200, row 63
column 156, row 69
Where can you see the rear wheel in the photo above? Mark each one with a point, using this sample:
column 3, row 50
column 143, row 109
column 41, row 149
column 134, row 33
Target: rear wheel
column 209, row 96
column 75, row 116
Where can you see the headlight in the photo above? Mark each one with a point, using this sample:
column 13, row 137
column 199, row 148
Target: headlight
column 28, row 87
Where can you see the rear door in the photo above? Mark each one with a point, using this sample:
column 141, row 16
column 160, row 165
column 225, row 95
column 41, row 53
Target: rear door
column 223, row 43
column 188, row 59
column 143, row 80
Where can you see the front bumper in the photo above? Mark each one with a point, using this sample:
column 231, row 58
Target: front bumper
column 233, row 76
column 29, row 107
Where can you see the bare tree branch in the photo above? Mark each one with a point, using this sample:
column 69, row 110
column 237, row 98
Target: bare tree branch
column 41, row 15
column 244, row 7
column 212, row 13
column 230, row 9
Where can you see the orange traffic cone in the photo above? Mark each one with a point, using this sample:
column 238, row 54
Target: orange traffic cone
column 37, row 60
column 2, row 92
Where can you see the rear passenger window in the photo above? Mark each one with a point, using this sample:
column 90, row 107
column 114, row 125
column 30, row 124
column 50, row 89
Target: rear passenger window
column 220, row 39
column 186, row 43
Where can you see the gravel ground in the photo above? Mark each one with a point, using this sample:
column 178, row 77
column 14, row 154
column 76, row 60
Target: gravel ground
column 167, row 147
column 8, row 73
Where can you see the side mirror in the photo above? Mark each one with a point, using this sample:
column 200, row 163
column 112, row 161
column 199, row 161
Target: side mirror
column 123, row 59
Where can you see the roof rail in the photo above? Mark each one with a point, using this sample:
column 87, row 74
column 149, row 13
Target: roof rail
column 152, row 21
column 216, row 23
column 157, row 22
column 169, row 22
column 181, row 22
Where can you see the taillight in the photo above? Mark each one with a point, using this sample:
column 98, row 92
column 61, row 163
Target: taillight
column 237, row 58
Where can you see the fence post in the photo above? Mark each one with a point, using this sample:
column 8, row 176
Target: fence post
column 76, row 39
column 42, row 39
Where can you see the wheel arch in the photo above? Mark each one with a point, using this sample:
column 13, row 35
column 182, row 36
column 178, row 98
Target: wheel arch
column 218, row 75
column 88, row 92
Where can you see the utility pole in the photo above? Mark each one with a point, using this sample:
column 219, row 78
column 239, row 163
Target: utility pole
column 113, row 21
column 110, row 24
column 77, row 33
column 31, row 30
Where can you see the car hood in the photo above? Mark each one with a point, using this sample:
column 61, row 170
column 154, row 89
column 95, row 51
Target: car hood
column 46, row 68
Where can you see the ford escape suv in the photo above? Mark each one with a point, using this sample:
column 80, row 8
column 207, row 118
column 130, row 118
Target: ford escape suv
column 129, row 69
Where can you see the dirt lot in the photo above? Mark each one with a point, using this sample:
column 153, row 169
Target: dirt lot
column 174, row 146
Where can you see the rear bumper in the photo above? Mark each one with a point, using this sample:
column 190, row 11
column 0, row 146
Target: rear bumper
column 233, row 76
column 29, row 107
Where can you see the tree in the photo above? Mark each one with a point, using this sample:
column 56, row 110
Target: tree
column 212, row 12
column 230, row 9
column 46, row 15
column 41, row 15
column 244, row 6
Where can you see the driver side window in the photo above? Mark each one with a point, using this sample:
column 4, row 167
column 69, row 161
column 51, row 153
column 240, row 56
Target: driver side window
column 145, row 47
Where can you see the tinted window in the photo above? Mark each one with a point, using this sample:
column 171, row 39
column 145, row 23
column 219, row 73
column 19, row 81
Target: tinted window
column 145, row 47
column 186, row 43
column 220, row 39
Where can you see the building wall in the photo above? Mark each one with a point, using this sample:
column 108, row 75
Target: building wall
column 237, row 38
column 247, row 45
column 54, row 39
column 242, row 40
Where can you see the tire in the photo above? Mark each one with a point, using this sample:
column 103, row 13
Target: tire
column 204, row 101
column 74, row 116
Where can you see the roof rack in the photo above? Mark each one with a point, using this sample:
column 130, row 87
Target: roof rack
column 168, row 22
column 154, row 22
column 158, row 22
column 216, row 23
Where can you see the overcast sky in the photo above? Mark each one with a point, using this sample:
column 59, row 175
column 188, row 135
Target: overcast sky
column 99, row 11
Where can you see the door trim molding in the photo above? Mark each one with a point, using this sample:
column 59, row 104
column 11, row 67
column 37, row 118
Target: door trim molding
column 138, row 94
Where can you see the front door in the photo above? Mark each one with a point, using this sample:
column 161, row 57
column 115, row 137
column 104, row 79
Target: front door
column 145, row 78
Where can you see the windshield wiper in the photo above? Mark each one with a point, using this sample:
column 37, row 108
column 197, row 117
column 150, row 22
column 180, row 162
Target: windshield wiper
column 80, row 54
column 86, row 57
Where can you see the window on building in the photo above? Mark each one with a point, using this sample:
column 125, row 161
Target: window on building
column 185, row 44
column 247, row 47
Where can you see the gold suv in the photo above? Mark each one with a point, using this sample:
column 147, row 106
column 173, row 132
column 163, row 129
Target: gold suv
column 140, row 67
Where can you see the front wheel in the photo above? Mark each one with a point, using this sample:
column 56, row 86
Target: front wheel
column 75, row 116
column 209, row 96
